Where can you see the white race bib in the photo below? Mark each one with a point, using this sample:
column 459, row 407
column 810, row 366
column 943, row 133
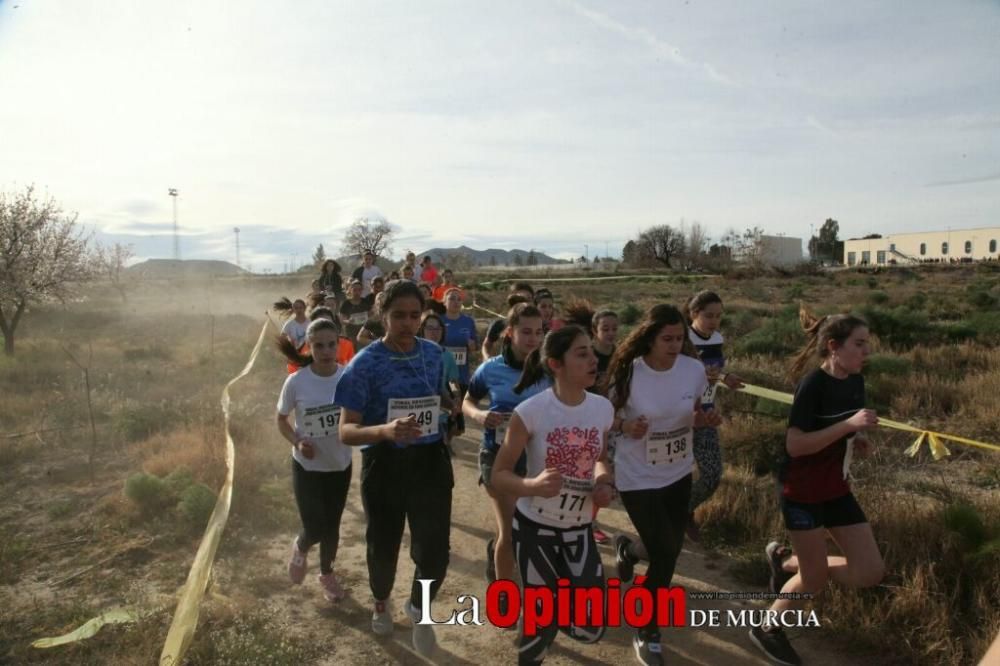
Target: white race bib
column 708, row 397
column 426, row 410
column 574, row 505
column 321, row 421
column 358, row 318
column 664, row 448
column 500, row 432
column 460, row 354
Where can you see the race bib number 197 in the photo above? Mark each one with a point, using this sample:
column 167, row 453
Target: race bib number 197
column 427, row 412
column 664, row 448
column 574, row 505
column 321, row 421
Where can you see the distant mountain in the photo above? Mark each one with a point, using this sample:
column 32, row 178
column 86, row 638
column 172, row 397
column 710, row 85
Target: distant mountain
column 482, row 257
column 187, row 268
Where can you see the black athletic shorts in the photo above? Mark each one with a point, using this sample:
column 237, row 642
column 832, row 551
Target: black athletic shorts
column 487, row 457
column 838, row 512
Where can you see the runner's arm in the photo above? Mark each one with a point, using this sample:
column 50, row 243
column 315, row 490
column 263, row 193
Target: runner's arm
column 504, row 479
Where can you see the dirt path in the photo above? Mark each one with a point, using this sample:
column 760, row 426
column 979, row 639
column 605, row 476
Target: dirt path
column 344, row 629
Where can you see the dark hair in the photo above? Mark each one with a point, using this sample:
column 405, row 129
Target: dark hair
column 336, row 267
column 322, row 310
column 555, row 345
column 428, row 314
column 638, row 343
column 393, row 275
column 514, row 299
column 437, row 307
column 522, row 286
column 580, row 312
column 379, row 278
column 543, row 293
column 287, row 349
column 401, row 289
column 819, row 332
column 699, row 302
column 316, row 300
column 318, row 325
column 284, row 306
column 595, row 321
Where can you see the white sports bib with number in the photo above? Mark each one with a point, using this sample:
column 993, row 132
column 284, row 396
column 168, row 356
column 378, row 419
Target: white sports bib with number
column 426, row 410
column 358, row 318
column 574, row 505
column 667, row 447
column 321, row 421
column 708, row 397
column 460, row 354
column 501, row 430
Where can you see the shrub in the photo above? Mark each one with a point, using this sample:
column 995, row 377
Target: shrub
column 872, row 282
column 149, row 492
column 958, row 331
column 899, row 327
column 917, row 301
column 780, row 336
column 196, row 505
column 178, row 480
column 795, row 291
column 878, row 298
column 630, row 314
column 135, row 422
column 886, row 364
column 981, row 299
column 986, row 325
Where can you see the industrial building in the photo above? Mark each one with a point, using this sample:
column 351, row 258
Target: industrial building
column 924, row 246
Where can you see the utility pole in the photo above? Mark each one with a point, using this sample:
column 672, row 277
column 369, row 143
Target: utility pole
column 172, row 192
column 236, row 230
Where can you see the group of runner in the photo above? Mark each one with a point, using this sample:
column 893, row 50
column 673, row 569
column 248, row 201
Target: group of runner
column 574, row 418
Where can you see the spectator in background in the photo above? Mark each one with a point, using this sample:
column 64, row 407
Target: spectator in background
column 411, row 262
column 330, row 280
column 377, row 287
column 409, row 273
column 367, row 272
column 428, row 273
column 354, row 310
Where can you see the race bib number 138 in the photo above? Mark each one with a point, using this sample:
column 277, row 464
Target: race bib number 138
column 664, row 448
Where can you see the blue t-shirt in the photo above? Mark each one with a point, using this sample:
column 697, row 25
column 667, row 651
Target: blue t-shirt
column 457, row 333
column 497, row 379
column 377, row 374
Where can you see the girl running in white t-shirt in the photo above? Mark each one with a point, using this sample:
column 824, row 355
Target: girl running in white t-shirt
column 321, row 464
column 656, row 391
column 563, row 431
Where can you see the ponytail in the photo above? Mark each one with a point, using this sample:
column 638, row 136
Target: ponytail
column 287, row 349
column 819, row 332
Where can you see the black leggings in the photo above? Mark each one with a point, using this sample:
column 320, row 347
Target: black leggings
column 660, row 517
column 321, row 497
column 546, row 554
column 411, row 484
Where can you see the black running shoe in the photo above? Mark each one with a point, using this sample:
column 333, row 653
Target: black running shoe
column 776, row 553
column 491, row 569
column 647, row 649
column 626, row 563
column 775, row 645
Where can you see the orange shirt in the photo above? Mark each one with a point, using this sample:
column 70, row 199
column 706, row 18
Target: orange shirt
column 441, row 290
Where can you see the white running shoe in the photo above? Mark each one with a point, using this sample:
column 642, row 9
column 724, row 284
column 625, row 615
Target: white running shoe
column 424, row 641
column 382, row 618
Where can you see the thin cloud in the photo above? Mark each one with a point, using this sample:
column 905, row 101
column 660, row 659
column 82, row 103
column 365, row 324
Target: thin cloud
column 965, row 181
column 658, row 47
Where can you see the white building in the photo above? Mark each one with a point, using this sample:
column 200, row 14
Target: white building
column 781, row 250
column 918, row 246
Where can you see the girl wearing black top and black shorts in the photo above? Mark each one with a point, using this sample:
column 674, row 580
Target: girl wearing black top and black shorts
column 825, row 430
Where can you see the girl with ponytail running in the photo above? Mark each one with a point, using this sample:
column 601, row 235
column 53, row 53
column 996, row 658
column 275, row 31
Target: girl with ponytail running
column 826, row 429
column 656, row 390
column 563, row 431
column 496, row 379
column 321, row 464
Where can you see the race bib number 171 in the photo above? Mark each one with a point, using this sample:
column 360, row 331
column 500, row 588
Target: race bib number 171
column 574, row 505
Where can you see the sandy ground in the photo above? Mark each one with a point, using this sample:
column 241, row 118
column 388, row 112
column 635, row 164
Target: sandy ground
column 345, row 627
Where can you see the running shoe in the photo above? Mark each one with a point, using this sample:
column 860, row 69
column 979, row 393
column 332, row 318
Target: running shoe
column 775, row 645
column 647, row 649
column 424, row 641
column 776, row 554
column 491, row 565
column 297, row 564
column 692, row 529
column 626, row 563
column 382, row 618
column 331, row 587
column 600, row 537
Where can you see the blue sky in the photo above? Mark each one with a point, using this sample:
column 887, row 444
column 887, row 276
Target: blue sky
column 518, row 124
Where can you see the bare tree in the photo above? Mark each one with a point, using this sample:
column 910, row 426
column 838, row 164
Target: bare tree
column 751, row 247
column 110, row 261
column 368, row 236
column 697, row 242
column 663, row 243
column 319, row 256
column 41, row 252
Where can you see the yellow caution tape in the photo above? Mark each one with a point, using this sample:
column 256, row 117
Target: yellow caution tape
column 933, row 439
column 90, row 627
column 186, row 615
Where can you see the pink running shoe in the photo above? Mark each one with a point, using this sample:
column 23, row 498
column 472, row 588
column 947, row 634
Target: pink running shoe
column 600, row 537
column 297, row 564
column 331, row 587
